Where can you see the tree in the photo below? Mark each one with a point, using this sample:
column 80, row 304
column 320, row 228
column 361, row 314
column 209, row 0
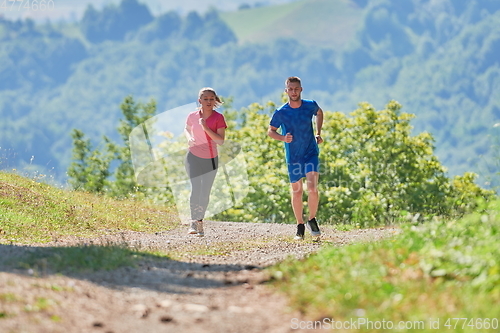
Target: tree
column 114, row 22
column 375, row 171
column 92, row 171
column 162, row 27
column 135, row 114
column 90, row 168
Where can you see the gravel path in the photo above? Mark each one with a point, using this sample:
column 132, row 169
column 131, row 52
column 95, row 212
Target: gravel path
column 209, row 284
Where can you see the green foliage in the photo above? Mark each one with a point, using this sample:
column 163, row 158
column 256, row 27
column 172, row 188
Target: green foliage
column 114, row 22
column 440, row 269
column 135, row 114
column 461, row 250
column 164, row 26
column 447, row 48
column 91, row 169
column 34, row 56
column 208, row 29
column 375, row 171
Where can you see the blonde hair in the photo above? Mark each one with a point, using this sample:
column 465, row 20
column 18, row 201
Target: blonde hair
column 293, row 79
column 218, row 101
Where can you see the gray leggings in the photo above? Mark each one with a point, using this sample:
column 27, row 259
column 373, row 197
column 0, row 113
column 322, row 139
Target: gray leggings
column 201, row 172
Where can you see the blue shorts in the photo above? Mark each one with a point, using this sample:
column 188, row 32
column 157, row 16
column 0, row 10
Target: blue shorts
column 297, row 171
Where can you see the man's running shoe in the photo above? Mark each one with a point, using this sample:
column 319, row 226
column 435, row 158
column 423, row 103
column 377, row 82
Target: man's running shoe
column 313, row 227
column 301, row 228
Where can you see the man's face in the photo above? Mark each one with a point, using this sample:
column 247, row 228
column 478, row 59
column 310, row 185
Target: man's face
column 293, row 90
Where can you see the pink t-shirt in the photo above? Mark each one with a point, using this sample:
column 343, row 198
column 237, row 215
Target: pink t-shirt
column 204, row 146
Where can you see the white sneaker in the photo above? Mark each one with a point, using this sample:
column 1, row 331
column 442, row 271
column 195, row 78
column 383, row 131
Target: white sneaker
column 199, row 227
column 193, row 228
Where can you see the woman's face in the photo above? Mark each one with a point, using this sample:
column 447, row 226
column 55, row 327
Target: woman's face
column 207, row 100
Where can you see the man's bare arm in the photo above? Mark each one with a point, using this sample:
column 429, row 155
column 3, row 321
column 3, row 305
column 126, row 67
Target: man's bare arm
column 319, row 125
column 272, row 132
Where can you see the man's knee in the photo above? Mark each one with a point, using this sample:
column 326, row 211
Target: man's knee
column 312, row 185
column 296, row 189
column 312, row 191
column 297, row 192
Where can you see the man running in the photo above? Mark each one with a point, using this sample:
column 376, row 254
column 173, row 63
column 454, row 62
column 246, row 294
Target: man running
column 301, row 148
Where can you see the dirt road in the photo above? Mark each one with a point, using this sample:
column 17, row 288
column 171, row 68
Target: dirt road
column 209, row 284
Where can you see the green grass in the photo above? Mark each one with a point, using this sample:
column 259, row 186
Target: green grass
column 247, row 22
column 436, row 271
column 32, row 212
column 314, row 22
column 8, row 297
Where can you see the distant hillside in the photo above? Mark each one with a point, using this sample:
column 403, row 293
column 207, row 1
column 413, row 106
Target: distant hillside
column 439, row 59
column 327, row 23
column 72, row 10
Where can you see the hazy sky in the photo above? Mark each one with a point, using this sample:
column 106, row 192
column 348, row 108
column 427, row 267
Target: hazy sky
column 71, row 9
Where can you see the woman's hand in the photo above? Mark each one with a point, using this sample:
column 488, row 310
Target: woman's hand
column 203, row 123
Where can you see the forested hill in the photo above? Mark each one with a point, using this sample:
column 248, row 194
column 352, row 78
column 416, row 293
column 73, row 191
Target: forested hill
column 439, row 59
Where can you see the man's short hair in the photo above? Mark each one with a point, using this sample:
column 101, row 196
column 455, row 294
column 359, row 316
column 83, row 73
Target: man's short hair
column 293, row 79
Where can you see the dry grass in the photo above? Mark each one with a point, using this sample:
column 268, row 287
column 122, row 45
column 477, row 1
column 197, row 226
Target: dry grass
column 36, row 212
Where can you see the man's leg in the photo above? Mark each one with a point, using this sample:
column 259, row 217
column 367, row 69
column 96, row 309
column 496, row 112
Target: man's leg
column 313, row 202
column 312, row 193
column 297, row 201
column 298, row 209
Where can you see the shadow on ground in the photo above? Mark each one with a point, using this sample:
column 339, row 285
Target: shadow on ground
column 118, row 267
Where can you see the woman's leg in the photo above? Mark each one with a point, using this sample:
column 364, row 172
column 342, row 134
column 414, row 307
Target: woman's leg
column 193, row 169
column 202, row 175
column 207, row 181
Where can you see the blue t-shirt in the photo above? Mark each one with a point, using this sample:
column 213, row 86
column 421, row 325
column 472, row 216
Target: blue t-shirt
column 298, row 122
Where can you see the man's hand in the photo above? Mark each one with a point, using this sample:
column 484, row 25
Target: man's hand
column 319, row 139
column 288, row 138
